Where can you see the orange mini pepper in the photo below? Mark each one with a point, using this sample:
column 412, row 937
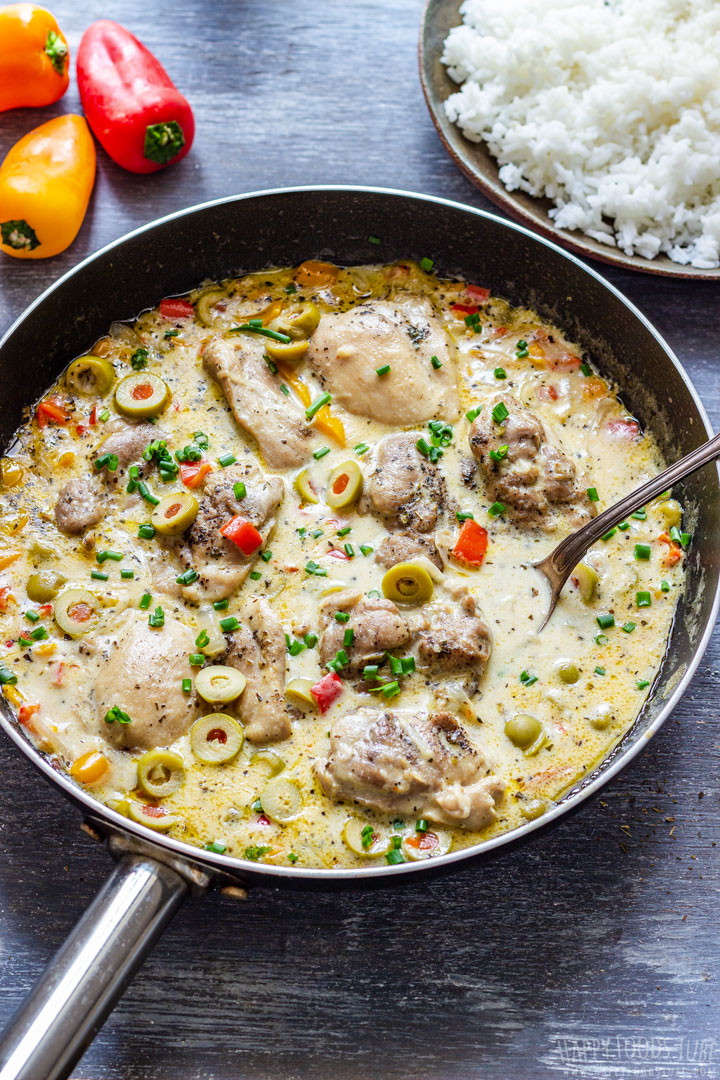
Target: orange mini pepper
column 45, row 185
column 34, row 57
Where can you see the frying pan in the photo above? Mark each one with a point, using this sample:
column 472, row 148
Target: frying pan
column 154, row 874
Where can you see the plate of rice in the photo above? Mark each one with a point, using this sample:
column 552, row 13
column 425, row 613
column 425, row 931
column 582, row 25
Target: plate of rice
column 595, row 122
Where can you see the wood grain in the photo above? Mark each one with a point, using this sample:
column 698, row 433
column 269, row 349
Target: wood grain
column 591, row 953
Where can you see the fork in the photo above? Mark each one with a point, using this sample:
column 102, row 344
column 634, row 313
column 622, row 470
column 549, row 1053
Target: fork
column 562, row 560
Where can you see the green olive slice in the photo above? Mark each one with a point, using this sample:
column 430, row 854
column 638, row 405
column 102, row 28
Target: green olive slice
column 281, row 800
column 90, row 375
column 671, row 510
column 219, row 685
column 426, row 845
column 291, row 351
column 77, row 612
column 205, row 303
column 216, row 738
column 274, row 762
column 141, row 395
column 407, row 583
column 154, row 817
column 304, row 486
column 522, row 730
column 587, row 581
column 568, row 672
column 300, row 323
column 44, row 586
column 175, row 513
column 344, row 485
column 160, row 772
column 299, row 690
column 366, row 839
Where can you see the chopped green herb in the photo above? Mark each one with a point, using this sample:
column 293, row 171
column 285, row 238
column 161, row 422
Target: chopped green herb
column 321, row 452
column 521, row 349
column 361, row 448
column 349, row 551
column 311, row 641
column 256, row 851
column 187, row 577
column 604, row 621
column 500, row 373
column 221, row 605
column 107, row 461
column 249, row 328
column 464, row 515
column 427, row 264
column 348, row 637
column 643, row 599
column 202, row 639
column 291, row 288
column 296, row 647
column 664, row 586
column 384, row 370
column 255, row 575
column 7, row 677
column 394, row 857
column 640, row 515
column 408, row 664
column 500, row 453
column 601, row 639
column 317, row 405
column 496, row 509
column 642, row 551
column 292, row 857
column 341, row 658
column 312, row 567
column 609, row 534
column 345, row 531
column 32, row 616
column 642, row 683
column 115, row 715
column 600, row 671
column 39, row 633
column 23, row 642
column 316, row 534
column 239, row 490
column 104, row 415
column 145, row 601
column 229, row 624
column 127, row 575
column 196, row 660
column 500, row 412
column 271, row 364
column 370, row 672
column 266, row 556
column 366, row 550
column 375, row 593
column 421, row 825
column 139, row 359
column 342, row 616
column 390, row 690
column 435, row 362
column 114, row 556
column 592, row 494
column 147, row 493
column 98, row 575
column 624, row 526
column 628, row 627
column 586, row 369
column 684, row 539
column 216, row 847
column 171, row 334
column 527, row 679
column 226, row 459
column 374, row 240
column 157, row 617
column 187, row 686
column 470, row 416
column 284, row 390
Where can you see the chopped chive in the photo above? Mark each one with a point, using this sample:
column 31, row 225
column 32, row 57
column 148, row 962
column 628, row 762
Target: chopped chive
column 604, row 621
column 127, row 575
column 685, row 539
column 527, row 679
column 266, row 556
column 39, row 633
column 640, row 515
column 470, row 416
column 391, row 689
column 366, row 550
column 229, row 624
column 291, row 288
column 361, row 448
column 341, row 658
column 642, row 551
column 255, row 575
column 145, row 601
column 600, row 671
column 251, row 328
column 374, row 240
column 345, row 531
column 23, row 642
column 601, row 639
column 628, row 627
column 500, row 453
column 472, row 321
column 592, row 494
column 171, row 333
column 435, row 362
column 284, row 390
column 156, row 617
column 147, row 493
column 202, row 639
column 370, row 672
column 427, row 264
column 664, row 586
column 408, row 664
column 317, row 454
column 226, row 459
column 196, row 660
column 394, row 857
column 421, row 825
column 586, row 369
column 348, row 637
column 116, row 715
column 98, row 575
column 500, row 373
column 292, row 857
column 642, row 683
column 107, row 461
column 216, row 847
column 316, row 534
column 311, row 641
column 521, row 349
column 643, row 599
column 296, row 647
column 32, row 616
column 496, row 509
column 609, row 534
column 395, row 665
column 375, row 593
column 349, row 551
column 464, row 515
column 271, row 364
column 317, row 405
column 187, row 686
column 221, row 605
column 187, row 577
column 500, row 412
column 115, row 556
column 384, row 370
column 239, row 490
column 104, row 415
column 342, row 616
column 7, row 677
column 624, row 526
column 312, row 568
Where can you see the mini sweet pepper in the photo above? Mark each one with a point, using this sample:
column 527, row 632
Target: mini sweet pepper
column 34, row 57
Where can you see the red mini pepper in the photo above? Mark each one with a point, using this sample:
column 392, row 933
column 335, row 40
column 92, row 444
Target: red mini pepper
column 243, row 534
column 193, row 473
column 133, row 107
column 173, row 308
column 327, row 690
column 471, row 543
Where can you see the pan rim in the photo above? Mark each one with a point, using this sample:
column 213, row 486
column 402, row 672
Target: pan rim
column 236, row 866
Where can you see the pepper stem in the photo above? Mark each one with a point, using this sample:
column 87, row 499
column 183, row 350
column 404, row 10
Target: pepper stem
column 57, row 50
column 163, row 141
column 19, row 235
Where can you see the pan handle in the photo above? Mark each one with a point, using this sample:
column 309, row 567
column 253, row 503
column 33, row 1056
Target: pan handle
column 91, row 969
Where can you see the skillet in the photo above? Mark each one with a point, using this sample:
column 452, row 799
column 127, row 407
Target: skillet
column 154, row 874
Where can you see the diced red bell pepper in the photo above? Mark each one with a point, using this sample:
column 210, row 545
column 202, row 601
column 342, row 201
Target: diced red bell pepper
column 546, row 392
column 93, row 415
column 674, row 553
column 52, row 410
column 172, row 308
column 26, row 714
column 243, row 534
column 477, row 293
column 130, row 102
column 626, row 429
column 337, row 553
column 471, row 543
column 45, row 609
column 4, row 597
column 192, row 473
column 327, row 690
column 465, row 309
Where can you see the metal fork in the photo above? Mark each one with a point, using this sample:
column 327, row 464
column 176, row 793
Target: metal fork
column 560, row 563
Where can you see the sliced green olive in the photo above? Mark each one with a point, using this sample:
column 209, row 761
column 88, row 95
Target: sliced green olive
column 160, row 772
column 523, row 730
column 671, row 510
column 300, row 323
column 205, row 303
column 90, row 375
column 304, row 486
column 216, row 738
column 120, row 806
column 407, row 583
column 274, row 762
column 425, row 845
column 299, row 690
column 175, row 513
column 141, row 394
column 44, row 586
column 366, row 839
column 568, row 672
column 291, row 351
column 77, row 612
column 281, row 800
column 219, row 685
column 587, row 581
column 344, row 485
column 532, row 809
column 155, row 817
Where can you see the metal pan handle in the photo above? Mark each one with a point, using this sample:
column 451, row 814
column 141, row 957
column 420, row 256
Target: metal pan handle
column 89, row 972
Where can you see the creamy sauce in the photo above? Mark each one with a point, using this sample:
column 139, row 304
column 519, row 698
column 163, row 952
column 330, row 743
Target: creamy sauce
column 218, row 804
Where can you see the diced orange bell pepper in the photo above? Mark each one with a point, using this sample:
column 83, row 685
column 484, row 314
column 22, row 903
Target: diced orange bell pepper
column 90, row 767
column 674, row 553
column 471, row 544
column 5, row 597
column 45, row 184
column 34, row 58
column 52, row 410
column 325, row 421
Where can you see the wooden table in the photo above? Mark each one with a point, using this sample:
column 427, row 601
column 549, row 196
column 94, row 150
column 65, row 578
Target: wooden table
column 591, row 953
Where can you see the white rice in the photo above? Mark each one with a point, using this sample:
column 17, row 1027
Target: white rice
column 610, row 108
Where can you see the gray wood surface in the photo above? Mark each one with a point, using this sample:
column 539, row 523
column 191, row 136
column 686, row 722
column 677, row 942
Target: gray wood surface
column 591, row 953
